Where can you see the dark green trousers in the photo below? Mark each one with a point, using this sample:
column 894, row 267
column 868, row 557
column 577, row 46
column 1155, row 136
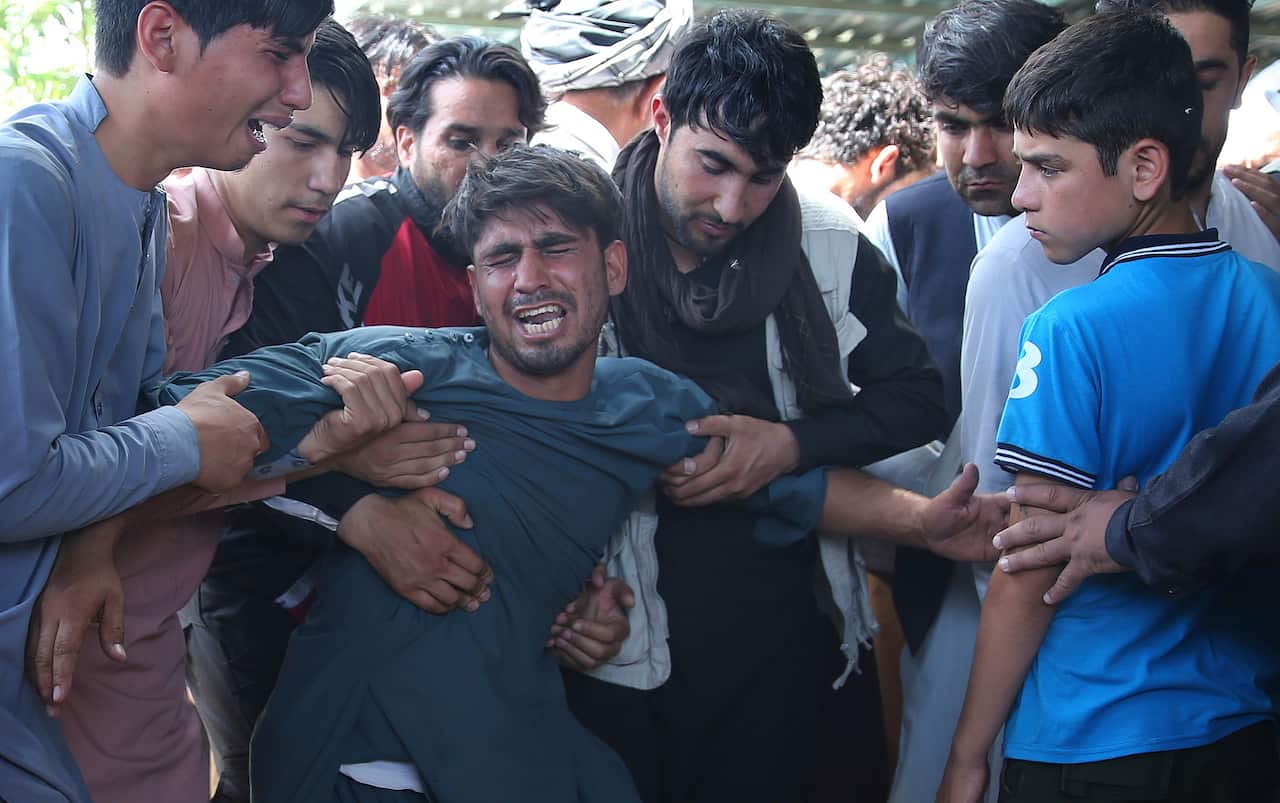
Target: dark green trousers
column 1241, row 768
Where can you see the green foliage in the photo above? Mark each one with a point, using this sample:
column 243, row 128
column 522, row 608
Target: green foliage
column 44, row 47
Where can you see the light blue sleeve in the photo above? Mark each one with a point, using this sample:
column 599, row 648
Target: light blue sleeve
column 51, row 480
column 1051, row 419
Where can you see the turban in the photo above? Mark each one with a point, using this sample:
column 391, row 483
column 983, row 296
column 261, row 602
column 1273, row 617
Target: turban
column 586, row 44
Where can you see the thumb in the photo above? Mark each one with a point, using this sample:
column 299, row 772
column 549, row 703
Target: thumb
column 447, row 505
column 1129, row 483
column 412, row 380
column 962, row 487
column 232, row 383
column 111, row 629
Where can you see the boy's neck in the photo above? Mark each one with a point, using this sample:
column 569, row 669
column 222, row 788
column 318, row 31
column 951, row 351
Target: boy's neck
column 1161, row 215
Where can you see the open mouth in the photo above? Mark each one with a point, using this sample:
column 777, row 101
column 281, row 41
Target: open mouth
column 255, row 131
column 542, row 319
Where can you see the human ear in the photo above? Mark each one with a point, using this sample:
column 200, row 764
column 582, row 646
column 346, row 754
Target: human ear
column 1149, row 166
column 1246, row 72
column 615, row 267
column 156, row 35
column 884, row 167
column 475, row 290
column 405, row 139
column 661, row 119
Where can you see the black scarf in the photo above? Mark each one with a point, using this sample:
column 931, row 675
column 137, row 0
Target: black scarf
column 765, row 272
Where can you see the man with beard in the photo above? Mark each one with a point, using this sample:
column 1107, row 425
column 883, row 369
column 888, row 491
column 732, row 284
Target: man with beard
column 775, row 305
column 375, row 258
column 931, row 232
column 370, row 679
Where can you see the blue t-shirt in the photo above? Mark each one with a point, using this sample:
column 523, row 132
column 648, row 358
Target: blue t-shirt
column 1113, row 379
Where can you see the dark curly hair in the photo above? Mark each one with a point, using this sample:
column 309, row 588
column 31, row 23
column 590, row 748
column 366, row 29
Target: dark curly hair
column 871, row 106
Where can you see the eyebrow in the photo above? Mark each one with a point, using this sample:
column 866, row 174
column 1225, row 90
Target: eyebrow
column 312, row 132
column 475, row 131
column 724, row 161
column 1211, row 64
column 1043, row 159
column 291, row 43
column 948, row 117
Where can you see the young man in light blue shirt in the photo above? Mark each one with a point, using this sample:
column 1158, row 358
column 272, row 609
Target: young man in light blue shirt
column 82, row 233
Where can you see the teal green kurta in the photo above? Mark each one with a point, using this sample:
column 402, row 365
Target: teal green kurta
column 473, row 700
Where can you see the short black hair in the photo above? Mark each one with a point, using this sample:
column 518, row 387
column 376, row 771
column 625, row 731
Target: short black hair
column 969, row 53
column 749, row 76
column 1111, row 80
column 523, row 178
column 115, row 40
column 1235, row 12
column 871, row 106
column 390, row 42
column 337, row 63
column 466, row 57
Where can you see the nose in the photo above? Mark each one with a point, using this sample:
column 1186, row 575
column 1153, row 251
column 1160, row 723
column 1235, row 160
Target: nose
column 329, row 173
column 487, row 148
column 729, row 202
column 531, row 273
column 296, row 93
column 980, row 147
column 1024, row 197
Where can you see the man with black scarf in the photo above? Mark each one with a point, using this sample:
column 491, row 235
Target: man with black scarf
column 776, row 306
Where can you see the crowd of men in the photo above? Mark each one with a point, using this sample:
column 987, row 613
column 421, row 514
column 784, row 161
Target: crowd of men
column 451, row 422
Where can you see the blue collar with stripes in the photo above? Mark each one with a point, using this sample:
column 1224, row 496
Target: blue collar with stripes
column 1164, row 245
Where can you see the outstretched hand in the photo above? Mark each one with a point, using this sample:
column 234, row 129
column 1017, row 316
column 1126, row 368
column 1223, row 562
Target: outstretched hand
column 83, row 591
column 959, row 524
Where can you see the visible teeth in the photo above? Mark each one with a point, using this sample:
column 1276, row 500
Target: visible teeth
column 540, row 328
column 543, row 310
column 255, row 129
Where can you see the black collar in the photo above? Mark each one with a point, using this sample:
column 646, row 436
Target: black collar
column 1164, row 245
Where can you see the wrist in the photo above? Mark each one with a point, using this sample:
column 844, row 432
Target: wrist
column 351, row 530
column 917, row 531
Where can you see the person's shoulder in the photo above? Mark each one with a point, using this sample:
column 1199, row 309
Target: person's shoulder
column 39, row 151
column 931, row 193
column 1239, row 225
column 665, row 387
column 363, row 212
column 823, row 211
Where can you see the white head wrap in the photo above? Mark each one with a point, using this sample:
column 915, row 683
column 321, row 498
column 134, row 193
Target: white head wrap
column 587, row 44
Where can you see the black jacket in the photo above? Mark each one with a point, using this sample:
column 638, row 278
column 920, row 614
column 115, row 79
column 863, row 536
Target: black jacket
column 1216, row 509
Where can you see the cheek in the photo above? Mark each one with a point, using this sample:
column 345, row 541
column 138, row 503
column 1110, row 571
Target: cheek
column 951, row 151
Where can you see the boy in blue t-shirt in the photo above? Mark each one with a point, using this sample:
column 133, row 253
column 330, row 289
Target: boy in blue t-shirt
column 1122, row 693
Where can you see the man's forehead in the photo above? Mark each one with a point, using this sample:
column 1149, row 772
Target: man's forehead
column 708, row 139
column 947, row 109
column 1207, row 34
column 456, row 102
column 525, row 224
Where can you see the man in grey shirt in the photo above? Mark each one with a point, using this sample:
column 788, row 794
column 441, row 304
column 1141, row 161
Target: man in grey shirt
column 82, row 233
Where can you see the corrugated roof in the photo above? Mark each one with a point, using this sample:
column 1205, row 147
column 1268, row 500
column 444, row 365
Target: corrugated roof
column 838, row 30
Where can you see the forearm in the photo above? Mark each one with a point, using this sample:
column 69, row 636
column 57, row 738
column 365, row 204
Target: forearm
column 1013, row 624
column 90, row 476
column 858, row 504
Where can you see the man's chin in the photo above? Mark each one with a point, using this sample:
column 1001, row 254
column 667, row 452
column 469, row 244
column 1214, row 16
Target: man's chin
column 990, row 204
